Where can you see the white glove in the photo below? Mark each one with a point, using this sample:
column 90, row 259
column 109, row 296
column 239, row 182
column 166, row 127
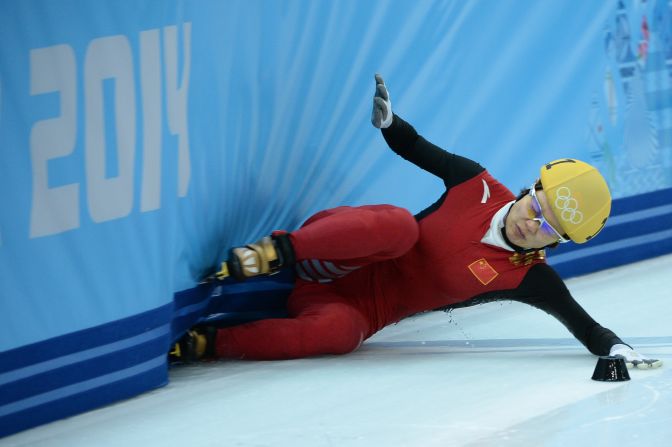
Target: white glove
column 381, row 116
column 633, row 358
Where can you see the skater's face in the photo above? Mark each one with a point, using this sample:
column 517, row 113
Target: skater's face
column 531, row 222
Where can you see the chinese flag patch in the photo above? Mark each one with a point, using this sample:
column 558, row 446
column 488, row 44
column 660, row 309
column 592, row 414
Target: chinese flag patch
column 483, row 271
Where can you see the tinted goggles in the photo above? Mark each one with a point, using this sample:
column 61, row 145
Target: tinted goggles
column 539, row 217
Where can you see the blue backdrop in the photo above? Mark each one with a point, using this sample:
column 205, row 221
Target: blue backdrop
column 139, row 140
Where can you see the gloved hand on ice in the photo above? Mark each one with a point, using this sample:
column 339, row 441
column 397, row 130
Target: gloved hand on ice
column 633, row 358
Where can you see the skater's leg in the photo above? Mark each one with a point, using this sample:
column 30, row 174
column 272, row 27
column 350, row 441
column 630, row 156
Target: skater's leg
column 351, row 236
column 359, row 235
column 320, row 325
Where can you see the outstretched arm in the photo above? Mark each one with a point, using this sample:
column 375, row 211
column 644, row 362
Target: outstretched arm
column 543, row 288
column 405, row 141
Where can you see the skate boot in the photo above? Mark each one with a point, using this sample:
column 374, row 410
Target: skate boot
column 265, row 257
column 196, row 344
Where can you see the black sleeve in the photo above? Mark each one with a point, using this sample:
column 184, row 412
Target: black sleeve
column 543, row 288
column 405, row 141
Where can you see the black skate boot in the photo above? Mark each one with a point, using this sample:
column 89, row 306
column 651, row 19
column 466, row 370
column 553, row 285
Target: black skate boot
column 265, row 257
column 197, row 344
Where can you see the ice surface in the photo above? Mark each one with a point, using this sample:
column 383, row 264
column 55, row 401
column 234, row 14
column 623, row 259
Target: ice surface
column 500, row 374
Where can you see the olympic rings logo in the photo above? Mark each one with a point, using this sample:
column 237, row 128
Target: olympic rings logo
column 568, row 206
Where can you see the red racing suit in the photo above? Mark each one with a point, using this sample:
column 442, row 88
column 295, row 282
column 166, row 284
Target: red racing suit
column 361, row 269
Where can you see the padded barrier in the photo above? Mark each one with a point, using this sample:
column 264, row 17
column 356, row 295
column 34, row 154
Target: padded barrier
column 66, row 375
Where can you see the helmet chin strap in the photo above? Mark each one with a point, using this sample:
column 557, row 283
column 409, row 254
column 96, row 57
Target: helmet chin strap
column 516, row 248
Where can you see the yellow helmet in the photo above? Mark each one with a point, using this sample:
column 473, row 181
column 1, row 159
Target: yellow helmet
column 579, row 197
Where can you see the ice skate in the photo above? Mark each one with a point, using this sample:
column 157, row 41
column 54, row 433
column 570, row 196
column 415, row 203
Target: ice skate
column 195, row 345
column 264, row 257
